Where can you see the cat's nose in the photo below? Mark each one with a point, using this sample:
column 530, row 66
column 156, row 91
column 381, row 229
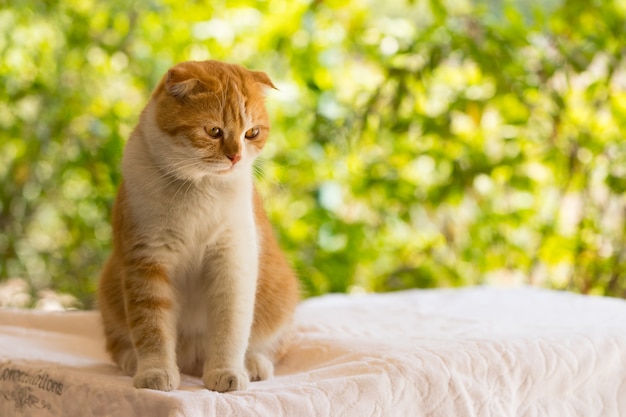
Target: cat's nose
column 234, row 158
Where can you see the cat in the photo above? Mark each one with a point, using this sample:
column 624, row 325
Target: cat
column 196, row 282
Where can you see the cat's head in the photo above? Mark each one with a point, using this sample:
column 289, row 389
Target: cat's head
column 213, row 117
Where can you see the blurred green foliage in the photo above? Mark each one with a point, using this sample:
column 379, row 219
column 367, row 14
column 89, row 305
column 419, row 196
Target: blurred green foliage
column 415, row 143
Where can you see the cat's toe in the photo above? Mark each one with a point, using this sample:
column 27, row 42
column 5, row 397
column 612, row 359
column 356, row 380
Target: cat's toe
column 259, row 366
column 224, row 380
column 157, row 379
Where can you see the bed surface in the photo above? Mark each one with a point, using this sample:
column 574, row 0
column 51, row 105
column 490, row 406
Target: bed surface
column 463, row 352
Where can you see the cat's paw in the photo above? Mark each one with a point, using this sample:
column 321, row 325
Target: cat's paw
column 224, row 380
column 158, row 379
column 259, row 366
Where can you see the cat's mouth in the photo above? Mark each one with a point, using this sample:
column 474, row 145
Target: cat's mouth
column 218, row 168
column 226, row 171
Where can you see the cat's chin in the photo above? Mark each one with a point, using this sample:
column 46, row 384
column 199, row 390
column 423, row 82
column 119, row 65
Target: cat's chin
column 223, row 173
column 211, row 172
column 204, row 175
column 226, row 171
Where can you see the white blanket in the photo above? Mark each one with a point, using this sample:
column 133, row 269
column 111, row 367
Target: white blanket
column 466, row 352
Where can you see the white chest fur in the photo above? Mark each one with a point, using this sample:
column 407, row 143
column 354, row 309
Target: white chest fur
column 204, row 234
column 179, row 220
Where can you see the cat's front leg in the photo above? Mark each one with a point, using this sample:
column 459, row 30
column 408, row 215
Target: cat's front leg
column 151, row 319
column 230, row 302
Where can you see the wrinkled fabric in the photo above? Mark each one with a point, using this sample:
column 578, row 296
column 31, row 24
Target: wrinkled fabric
column 462, row 352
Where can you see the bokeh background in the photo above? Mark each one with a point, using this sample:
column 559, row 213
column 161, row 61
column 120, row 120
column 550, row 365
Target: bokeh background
column 420, row 143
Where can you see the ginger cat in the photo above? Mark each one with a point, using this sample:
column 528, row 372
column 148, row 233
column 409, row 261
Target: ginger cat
column 196, row 282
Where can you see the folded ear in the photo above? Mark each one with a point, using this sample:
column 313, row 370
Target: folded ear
column 262, row 78
column 180, row 84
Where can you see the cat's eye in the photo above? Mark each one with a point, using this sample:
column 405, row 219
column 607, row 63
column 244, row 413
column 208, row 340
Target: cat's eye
column 252, row 133
column 214, row 132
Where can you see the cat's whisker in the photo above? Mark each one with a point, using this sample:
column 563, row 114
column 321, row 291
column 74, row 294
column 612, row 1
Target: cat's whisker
column 264, row 174
column 170, row 176
column 167, row 170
